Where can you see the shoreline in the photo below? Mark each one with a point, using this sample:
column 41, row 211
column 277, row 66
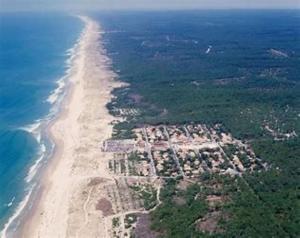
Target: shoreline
column 59, row 178
column 39, row 130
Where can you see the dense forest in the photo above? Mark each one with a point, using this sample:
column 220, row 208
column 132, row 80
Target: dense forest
column 237, row 68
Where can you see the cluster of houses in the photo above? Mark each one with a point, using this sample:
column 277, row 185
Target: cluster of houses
column 189, row 151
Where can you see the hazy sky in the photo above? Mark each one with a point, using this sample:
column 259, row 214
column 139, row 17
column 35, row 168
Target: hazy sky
column 142, row 4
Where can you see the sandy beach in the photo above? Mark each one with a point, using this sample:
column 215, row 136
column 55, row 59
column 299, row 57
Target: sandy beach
column 65, row 207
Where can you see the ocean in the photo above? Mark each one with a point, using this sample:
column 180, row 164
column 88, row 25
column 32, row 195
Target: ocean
column 35, row 54
column 232, row 67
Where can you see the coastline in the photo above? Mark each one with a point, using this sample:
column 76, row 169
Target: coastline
column 38, row 129
column 179, row 161
column 83, row 114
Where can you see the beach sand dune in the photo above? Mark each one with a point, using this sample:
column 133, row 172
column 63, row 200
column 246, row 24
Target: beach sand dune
column 71, row 187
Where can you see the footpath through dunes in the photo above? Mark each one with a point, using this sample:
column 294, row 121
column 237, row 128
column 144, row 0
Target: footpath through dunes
column 67, row 205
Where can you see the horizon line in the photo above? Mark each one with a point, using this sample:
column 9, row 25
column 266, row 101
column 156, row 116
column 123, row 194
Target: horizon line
column 147, row 9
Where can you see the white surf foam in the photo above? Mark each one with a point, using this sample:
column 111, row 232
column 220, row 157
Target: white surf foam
column 208, row 49
column 16, row 214
column 11, row 202
column 34, row 129
column 55, row 94
column 34, row 168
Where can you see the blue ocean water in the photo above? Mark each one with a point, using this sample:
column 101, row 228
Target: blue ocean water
column 34, row 49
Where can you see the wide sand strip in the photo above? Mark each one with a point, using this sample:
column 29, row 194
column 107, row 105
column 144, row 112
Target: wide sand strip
column 83, row 124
